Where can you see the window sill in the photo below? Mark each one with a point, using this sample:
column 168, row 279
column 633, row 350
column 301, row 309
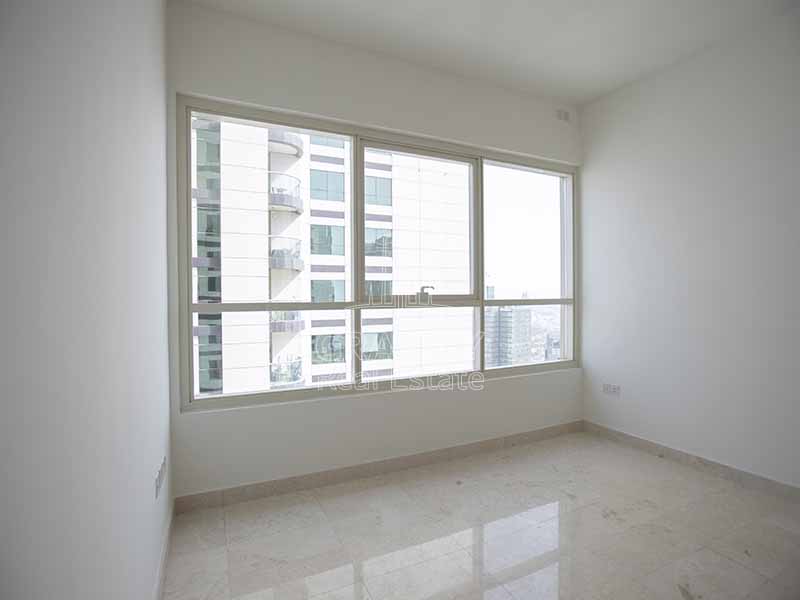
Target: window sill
column 457, row 382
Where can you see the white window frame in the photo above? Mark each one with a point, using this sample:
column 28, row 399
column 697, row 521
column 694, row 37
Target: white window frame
column 362, row 137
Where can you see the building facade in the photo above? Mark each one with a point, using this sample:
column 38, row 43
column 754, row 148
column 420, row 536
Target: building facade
column 272, row 223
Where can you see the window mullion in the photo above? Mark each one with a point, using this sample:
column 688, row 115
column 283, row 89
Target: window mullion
column 269, row 306
column 357, row 254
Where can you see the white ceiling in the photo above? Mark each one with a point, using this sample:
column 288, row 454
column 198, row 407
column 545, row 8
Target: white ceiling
column 573, row 50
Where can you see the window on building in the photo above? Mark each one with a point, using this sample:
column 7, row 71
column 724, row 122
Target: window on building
column 327, row 349
column 378, row 289
column 269, row 297
column 378, row 190
column 377, row 346
column 377, row 242
column 320, row 140
column 327, row 239
column 326, row 290
column 327, row 185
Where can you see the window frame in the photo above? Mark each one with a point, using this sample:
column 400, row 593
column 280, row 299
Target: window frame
column 361, row 138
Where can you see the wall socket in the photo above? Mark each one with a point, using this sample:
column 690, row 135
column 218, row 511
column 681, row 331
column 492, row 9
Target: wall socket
column 161, row 476
column 612, row 389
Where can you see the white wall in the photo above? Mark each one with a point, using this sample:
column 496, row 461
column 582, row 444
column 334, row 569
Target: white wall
column 221, row 449
column 214, row 54
column 690, row 241
column 84, row 374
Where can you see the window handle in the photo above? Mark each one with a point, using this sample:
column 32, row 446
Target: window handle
column 426, row 287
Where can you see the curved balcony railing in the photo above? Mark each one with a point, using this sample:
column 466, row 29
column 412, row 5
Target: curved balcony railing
column 287, row 371
column 286, row 321
column 284, row 253
column 285, row 142
column 284, row 192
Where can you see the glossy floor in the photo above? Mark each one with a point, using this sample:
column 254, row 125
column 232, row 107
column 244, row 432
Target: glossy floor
column 576, row 516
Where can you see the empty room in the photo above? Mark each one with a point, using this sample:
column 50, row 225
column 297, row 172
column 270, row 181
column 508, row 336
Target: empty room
column 430, row 300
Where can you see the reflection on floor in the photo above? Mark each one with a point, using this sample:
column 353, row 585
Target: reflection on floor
column 576, row 517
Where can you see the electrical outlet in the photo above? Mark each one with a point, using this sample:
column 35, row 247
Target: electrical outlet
column 611, row 389
column 161, row 476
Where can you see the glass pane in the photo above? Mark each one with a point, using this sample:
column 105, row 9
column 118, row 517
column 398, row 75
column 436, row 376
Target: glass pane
column 417, row 222
column 377, row 242
column 245, row 352
column 523, row 211
column 379, row 290
column 331, row 290
column 327, row 239
column 525, row 335
column 378, row 190
column 262, row 196
column 333, row 142
column 412, row 342
column 327, row 185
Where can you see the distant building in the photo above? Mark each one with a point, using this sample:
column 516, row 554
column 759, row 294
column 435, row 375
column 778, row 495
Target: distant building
column 508, row 339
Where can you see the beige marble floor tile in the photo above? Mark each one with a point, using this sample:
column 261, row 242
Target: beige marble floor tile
column 786, row 586
column 584, row 574
column 574, row 518
column 544, row 583
column 703, row 575
column 443, row 577
column 197, row 576
column 389, row 531
column 412, row 554
column 356, row 498
column 646, row 548
column 295, row 591
column 489, row 593
column 256, row 518
column 197, row 530
column 621, row 590
column 787, row 517
column 532, row 547
column 714, row 515
column 284, row 556
column 767, row 549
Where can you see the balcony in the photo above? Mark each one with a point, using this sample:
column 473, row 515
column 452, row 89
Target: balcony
column 286, row 321
column 286, row 372
column 284, row 253
column 284, row 193
column 285, row 142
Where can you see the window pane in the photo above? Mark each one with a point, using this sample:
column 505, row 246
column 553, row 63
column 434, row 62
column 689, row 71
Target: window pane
column 327, row 290
column 245, row 352
column 327, row 349
column 411, row 342
column 327, row 185
column 524, row 335
column 378, row 190
column 327, row 239
column 333, row 142
column 255, row 200
column 523, row 211
column 417, row 221
column 377, row 346
column 377, row 242
column 378, row 289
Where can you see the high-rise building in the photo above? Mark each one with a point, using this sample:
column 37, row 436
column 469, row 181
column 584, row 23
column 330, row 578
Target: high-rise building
column 508, row 339
column 272, row 212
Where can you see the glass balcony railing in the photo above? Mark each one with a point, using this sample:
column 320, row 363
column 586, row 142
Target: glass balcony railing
column 286, row 321
column 284, row 253
column 286, row 371
column 284, row 192
column 285, row 142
